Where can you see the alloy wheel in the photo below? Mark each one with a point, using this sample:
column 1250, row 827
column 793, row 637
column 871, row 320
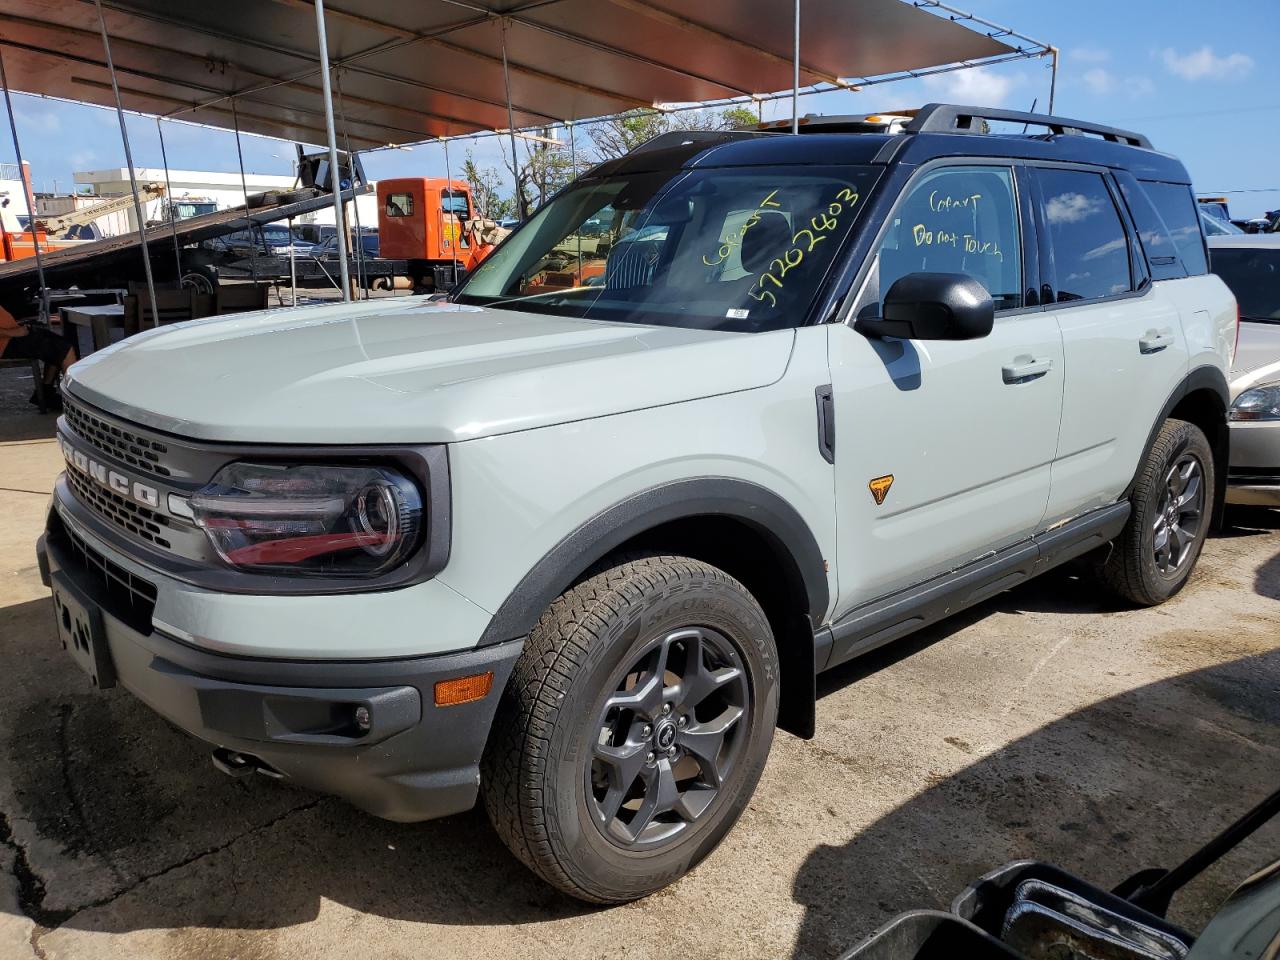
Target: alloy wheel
column 1179, row 516
column 669, row 735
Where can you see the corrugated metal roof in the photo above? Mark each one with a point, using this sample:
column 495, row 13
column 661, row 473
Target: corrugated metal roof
column 411, row 71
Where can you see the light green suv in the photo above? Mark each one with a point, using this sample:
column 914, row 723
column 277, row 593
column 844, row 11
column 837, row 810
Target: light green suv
column 726, row 412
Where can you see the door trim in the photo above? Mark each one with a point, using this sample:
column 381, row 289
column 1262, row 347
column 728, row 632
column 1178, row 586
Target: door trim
column 882, row 621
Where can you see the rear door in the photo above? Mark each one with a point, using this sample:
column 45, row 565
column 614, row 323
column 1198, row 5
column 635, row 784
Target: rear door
column 1122, row 336
column 945, row 447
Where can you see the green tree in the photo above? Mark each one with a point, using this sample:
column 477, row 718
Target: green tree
column 622, row 134
column 485, row 183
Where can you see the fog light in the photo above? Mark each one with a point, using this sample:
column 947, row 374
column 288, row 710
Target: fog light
column 463, row 689
column 364, row 720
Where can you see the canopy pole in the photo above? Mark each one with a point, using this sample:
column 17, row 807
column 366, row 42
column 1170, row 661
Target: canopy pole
column 244, row 191
column 453, row 241
column 795, row 74
column 1053, row 77
column 168, row 196
column 128, row 159
column 29, row 199
column 511, row 124
column 573, row 160
column 361, row 273
column 335, row 174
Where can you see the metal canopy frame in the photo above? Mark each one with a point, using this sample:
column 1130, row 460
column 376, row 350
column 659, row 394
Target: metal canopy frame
column 577, row 59
column 418, row 72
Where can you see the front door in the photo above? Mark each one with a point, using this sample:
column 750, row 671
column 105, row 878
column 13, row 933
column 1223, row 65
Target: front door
column 944, row 448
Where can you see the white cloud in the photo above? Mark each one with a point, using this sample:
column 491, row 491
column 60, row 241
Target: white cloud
column 977, row 86
column 1089, row 54
column 1205, row 63
column 1071, row 207
column 1098, row 80
column 44, row 121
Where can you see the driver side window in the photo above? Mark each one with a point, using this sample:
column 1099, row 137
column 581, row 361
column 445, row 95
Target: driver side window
column 955, row 220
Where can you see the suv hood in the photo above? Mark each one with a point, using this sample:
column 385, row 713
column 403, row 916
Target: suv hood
column 410, row 372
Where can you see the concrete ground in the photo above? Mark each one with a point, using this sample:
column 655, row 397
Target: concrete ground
column 1041, row 724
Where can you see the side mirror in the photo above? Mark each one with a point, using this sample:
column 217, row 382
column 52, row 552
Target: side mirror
column 933, row 306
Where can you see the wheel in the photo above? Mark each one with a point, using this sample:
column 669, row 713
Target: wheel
column 634, row 728
column 200, row 278
column 1172, row 501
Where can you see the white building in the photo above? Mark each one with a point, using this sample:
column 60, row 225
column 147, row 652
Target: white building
column 199, row 186
column 14, row 190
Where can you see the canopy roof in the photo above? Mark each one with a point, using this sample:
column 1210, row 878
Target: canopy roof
column 411, row 71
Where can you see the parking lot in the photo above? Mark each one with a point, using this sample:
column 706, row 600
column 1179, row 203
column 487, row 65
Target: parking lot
column 1039, row 724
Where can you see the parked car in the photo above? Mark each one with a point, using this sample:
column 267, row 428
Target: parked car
column 577, row 549
column 1216, row 227
column 328, row 248
column 1250, row 265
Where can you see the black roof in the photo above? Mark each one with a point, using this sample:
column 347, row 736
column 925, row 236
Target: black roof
column 933, row 137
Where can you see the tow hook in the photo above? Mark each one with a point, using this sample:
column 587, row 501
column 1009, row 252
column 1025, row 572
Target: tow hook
column 236, row 764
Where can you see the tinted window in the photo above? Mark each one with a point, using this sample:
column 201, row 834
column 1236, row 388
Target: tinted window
column 958, row 220
column 455, row 201
column 1254, row 277
column 1179, row 212
column 742, row 249
column 1090, row 247
column 399, row 204
column 1162, row 255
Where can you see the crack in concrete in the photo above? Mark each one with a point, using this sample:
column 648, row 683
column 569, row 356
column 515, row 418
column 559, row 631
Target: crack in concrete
column 32, row 890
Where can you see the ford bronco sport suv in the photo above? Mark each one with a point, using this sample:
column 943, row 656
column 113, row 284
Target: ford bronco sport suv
column 726, row 412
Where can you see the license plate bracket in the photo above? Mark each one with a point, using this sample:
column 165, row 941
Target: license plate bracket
column 79, row 622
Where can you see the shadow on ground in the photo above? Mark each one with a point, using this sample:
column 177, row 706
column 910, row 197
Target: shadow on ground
column 113, row 800
column 1104, row 792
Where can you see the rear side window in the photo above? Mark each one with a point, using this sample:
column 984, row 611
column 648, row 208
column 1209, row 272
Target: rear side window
column 1088, row 239
column 399, row 204
column 1162, row 254
column 1253, row 274
column 1178, row 210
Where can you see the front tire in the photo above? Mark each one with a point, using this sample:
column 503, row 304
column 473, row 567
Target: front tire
column 1154, row 555
column 634, row 728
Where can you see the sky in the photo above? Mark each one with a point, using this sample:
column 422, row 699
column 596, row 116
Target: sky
column 1201, row 81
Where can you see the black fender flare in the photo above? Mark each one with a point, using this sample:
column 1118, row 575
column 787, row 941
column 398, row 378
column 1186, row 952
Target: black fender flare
column 756, row 506
column 1200, row 378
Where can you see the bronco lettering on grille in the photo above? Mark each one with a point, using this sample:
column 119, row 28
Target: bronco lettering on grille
column 111, row 479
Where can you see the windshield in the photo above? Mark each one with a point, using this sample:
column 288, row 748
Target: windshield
column 1253, row 274
column 741, row 249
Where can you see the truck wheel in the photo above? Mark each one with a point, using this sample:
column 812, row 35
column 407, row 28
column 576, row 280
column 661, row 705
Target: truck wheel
column 634, row 728
column 200, row 278
column 1172, row 501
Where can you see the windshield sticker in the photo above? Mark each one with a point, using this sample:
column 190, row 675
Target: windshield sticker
column 802, row 241
column 735, row 239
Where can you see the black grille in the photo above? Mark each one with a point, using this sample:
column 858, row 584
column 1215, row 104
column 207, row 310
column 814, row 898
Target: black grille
column 129, row 599
column 119, row 442
column 127, row 515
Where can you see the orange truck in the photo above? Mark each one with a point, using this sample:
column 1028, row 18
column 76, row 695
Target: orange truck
column 431, row 224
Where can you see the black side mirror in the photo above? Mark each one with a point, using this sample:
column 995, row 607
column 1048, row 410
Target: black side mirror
column 933, row 306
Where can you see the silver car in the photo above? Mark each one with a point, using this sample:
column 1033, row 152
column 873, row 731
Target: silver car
column 1250, row 265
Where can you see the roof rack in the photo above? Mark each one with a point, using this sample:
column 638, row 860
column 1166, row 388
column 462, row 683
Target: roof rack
column 950, row 118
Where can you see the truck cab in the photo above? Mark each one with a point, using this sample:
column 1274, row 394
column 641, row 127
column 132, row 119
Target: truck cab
column 428, row 222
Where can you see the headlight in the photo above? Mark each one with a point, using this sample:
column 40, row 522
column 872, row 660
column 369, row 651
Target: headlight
column 1260, row 403
column 311, row 519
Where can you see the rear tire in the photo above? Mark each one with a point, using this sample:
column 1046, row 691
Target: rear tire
column 1172, row 501
column 634, row 728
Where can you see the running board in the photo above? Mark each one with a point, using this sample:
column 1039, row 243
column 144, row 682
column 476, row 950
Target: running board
column 882, row 621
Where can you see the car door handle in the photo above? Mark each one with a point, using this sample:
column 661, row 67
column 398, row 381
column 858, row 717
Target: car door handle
column 1153, row 341
column 1023, row 369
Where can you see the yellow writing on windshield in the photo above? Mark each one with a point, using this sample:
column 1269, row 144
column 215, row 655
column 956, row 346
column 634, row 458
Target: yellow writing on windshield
column 802, row 242
column 735, row 239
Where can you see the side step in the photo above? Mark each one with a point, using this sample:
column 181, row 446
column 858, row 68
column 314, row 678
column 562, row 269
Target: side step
column 882, row 621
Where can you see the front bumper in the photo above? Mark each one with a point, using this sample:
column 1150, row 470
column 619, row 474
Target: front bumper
column 416, row 761
column 1254, row 475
